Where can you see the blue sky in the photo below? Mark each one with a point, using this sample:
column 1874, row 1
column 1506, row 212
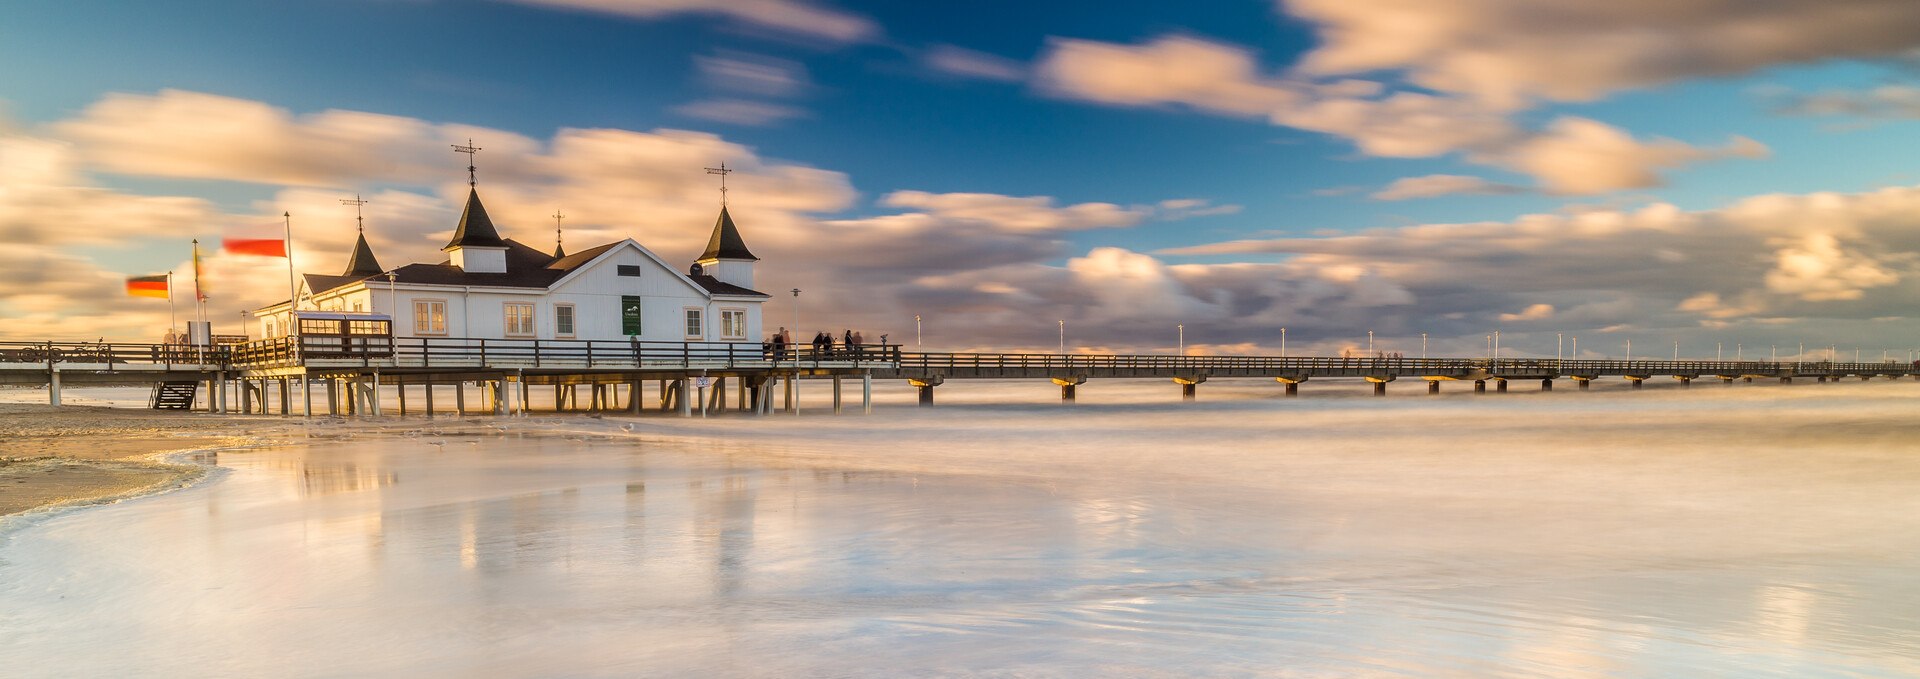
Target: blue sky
column 1056, row 106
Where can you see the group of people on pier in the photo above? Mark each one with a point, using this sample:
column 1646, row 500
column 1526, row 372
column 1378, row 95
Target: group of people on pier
column 850, row 344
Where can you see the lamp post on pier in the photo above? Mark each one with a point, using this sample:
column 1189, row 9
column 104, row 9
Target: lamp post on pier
column 1369, row 344
column 1423, row 346
column 1182, row 327
column 1559, row 351
column 1063, row 337
column 1283, row 342
column 916, row 331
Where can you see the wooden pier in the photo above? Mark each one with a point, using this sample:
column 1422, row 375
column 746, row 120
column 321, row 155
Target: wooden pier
column 285, row 376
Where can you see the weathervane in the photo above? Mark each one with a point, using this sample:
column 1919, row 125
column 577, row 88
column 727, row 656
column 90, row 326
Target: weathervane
column 469, row 149
column 556, row 228
column 356, row 203
column 723, row 172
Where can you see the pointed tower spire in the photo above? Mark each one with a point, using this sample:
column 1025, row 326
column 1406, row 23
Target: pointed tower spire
column 475, row 228
column 362, row 262
column 726, row 242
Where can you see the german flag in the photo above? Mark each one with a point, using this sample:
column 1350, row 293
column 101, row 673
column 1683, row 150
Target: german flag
column 148, row 286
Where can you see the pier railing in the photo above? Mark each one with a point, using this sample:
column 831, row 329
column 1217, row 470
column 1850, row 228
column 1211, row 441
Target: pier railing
column 109, row 355
column 933, row 362
column 455, row 352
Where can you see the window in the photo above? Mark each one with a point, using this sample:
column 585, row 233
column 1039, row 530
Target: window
column 733, row 324
column 629, row 314
column 563, row 320
column 693, row 323
column 429, row 317
column 627, row 270
column 356, row 307
column 270, row 328
column 366, row 327
column 519, row 319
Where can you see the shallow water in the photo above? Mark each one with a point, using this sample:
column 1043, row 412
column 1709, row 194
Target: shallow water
column 1757, row 530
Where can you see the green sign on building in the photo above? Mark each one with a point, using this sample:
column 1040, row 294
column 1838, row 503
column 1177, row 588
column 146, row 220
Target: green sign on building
column 629, row 314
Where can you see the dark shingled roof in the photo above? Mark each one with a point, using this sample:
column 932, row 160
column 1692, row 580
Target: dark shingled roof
column 713, row 285
column 362, row 262
column 526, row 268
column 475, row 229
column 726, row 242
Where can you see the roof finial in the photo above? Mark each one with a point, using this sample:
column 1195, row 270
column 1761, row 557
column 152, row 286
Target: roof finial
column 556, row 229
column 469, row 149
column 356, row 203
column 723, row 172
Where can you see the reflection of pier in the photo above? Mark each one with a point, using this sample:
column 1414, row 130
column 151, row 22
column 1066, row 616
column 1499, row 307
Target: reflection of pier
column 264, row 376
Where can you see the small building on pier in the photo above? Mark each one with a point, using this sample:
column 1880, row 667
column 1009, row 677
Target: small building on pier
column 492, row 287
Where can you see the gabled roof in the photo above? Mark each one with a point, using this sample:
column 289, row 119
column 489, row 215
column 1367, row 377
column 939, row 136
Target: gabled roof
column 362, row 262
column 726, row 242
column 475, row 228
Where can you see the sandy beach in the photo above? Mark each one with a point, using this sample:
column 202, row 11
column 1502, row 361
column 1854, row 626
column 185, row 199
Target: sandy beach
column 60, row 456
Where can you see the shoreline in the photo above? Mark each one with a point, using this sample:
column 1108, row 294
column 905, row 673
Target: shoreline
column 74, row 456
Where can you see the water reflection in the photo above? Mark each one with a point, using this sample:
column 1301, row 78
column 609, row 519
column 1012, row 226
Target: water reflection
column 539, row 557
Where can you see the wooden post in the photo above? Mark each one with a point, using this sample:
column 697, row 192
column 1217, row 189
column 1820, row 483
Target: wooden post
column 53, row 385
column 836, row 394
column 866, row 394
column 427, row 387
column 1433, row 386
column 460, row 398
column 400, row 389
column 333, row 397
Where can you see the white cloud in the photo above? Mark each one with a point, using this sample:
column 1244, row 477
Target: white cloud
column 1878, row 103
column 1815, row 267
column 740, row 111
column 1534, row 312
column 1507, row 52
column 1581, row 156
column 753, row 74
column 1434, row 185
column 786, row 16
column 966, row 63
column 1018, row 214
column 1572, row 156
column 1201, row 74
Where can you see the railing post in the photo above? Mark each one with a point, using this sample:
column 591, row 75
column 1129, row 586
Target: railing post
column 483, row 352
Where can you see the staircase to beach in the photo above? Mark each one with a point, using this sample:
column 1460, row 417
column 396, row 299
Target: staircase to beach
column 174, row 395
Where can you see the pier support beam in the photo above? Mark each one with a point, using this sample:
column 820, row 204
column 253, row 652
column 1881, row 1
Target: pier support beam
column 1189, row 386
column 460, row 399
column 1067, row 386
column 333, row 397
column 1433, row 386
column 683, row 396
column 866, row 394
column 428, row 388
column 836, row 394
column 1821, row 379
column 925, row 385
column 1786, row 380
column 1479, row 386
column 1726, row 381
column 1748, row 380
column 1500, row 386
column 1636, row 381
column 1685, row 380
column 1380, row 384
column 1293, row 384
column 1546, row 384
column 53, row 385
column 792, row 404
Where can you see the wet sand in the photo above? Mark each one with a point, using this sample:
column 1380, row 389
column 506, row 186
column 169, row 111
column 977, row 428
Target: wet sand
column 68, row 455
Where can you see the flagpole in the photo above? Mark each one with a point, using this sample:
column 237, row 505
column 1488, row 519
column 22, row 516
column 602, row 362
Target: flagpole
column 199, row 299
column 173, row 319
column 293, row 289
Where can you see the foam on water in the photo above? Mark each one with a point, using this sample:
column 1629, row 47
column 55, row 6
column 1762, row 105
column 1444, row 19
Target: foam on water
column 1754, row 530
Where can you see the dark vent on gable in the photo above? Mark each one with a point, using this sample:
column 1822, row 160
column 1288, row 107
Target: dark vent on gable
column 628, row 270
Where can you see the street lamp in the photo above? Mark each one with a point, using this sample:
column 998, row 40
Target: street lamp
column 1559, row 352
column 916, row 331
column 1676, row 350
column 1063, row 337
column 1423, row 346
column 1369, row 344
column 1576, row 347
column 1629, row 351
column 1496, row 345
column 1183, row 338
column 1283, row 342
column 796, row 310
column 393, row 296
